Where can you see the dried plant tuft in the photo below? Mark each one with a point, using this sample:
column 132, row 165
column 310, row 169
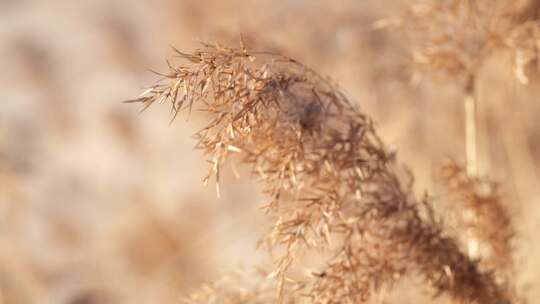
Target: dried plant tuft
column 453, row 39
column 481, row 212
column 330, row 180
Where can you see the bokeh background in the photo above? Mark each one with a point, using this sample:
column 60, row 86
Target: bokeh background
column 101, row 204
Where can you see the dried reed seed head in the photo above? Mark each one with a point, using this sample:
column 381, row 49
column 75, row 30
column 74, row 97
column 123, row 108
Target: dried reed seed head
column 329, row 177
column 454, row 38
column 480, row 208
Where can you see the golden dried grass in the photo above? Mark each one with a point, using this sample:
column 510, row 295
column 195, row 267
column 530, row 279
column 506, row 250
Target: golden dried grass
column 330, row 180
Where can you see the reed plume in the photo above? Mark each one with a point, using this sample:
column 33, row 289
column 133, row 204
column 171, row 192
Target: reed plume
column 452, row 40
column 483, row 215
column 330, row 181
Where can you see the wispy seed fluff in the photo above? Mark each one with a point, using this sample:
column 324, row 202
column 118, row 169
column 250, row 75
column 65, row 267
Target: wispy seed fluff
column 329, row 179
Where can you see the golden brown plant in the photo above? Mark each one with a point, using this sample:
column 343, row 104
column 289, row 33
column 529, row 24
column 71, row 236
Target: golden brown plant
column 456, row 37
column 483, row 215
column 453, row 40
column 330, row 180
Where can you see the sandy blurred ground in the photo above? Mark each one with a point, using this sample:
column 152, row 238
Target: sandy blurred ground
column 99, row 204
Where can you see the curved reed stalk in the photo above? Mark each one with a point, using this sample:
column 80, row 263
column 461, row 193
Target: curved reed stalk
column 330, row 180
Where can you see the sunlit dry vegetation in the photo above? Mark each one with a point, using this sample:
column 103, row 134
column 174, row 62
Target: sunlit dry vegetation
column 353, row 152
